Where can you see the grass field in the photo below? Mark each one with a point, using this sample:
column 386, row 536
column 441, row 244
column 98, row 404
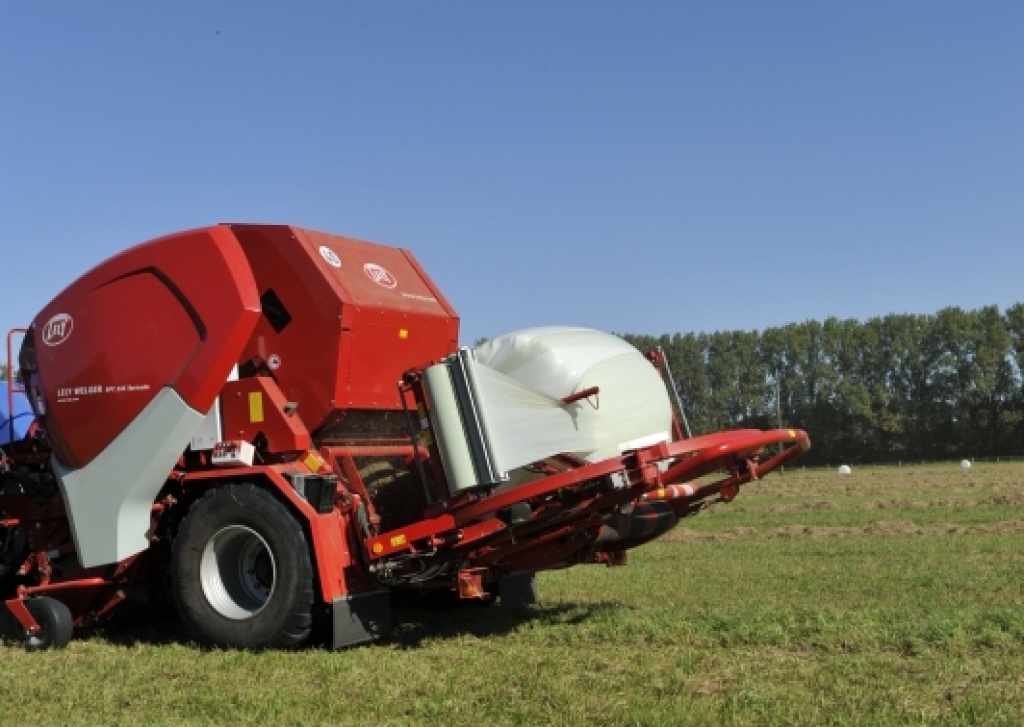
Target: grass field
column 891, row 596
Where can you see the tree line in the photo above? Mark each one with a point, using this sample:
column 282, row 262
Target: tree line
column 893, row 388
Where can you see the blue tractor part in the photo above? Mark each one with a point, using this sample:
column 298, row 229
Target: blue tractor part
column 15, row 421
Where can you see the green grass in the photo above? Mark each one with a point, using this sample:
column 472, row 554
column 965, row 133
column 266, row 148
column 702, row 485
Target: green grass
column 891, row 596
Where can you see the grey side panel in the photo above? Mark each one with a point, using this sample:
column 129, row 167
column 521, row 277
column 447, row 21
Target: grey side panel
column 362, row 617
column 109, row 500
column 209, row 432
column 452, row 440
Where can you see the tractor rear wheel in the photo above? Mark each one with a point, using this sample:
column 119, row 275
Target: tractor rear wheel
column 241, row 573
column 55, row 622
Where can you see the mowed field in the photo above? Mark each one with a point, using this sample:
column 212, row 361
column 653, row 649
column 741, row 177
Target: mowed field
column 891, row 596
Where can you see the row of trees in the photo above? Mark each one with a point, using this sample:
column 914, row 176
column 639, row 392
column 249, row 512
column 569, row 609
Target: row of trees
column 899, row 387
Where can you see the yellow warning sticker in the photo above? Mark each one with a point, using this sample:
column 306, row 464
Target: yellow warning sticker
column 397, row 540
column 403, row 333
column 313, row 461
column 255, row 407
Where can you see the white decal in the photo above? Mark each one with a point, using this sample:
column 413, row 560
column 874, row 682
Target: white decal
column 424, row 298
column 379, row 275
column 75, row 393
column 57, row 329
column 330, row 256
column 274, row 362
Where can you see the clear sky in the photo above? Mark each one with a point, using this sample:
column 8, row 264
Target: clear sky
column 637, row 167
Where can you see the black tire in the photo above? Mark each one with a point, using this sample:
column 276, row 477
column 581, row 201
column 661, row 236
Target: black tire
column 55, row 621
column 241, row 573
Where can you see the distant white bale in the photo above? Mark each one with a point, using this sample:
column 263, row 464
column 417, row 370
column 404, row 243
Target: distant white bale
column 844, row 469
column 965, row 464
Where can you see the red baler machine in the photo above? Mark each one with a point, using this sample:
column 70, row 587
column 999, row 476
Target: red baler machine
column 277, row 429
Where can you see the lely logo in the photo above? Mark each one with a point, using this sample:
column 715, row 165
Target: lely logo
column 330, row 256
column 379, row 275
column 58, row 329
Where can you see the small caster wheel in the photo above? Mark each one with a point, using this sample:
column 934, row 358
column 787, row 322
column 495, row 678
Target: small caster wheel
column 55, row 621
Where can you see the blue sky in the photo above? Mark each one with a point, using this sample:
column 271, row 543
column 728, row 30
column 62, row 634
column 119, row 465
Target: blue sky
column 649, row 167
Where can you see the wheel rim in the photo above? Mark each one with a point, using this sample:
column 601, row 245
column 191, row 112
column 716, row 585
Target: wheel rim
column 237, row 572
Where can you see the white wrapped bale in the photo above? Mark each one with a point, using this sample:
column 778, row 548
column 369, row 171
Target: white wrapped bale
column 501, row 407
column 542, row 366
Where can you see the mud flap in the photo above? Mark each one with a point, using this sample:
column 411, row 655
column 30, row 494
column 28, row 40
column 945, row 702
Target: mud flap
column 361, row 617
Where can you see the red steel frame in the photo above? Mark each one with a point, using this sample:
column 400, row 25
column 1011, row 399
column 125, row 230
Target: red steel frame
column 467, row 527
column 696, row 457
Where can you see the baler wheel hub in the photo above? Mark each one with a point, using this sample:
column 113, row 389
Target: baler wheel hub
column 237, row 572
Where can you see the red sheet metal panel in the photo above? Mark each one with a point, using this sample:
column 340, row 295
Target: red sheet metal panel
column 343, row 319
column 173, row 312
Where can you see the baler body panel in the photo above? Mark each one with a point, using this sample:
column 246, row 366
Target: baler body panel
column 344, row 319
column 173, row 312
column 254, row 406
column 109, row 500
column 123, row 366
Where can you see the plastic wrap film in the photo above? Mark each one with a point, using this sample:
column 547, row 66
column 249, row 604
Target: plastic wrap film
column 551, row 359
column 500, row 407
column 524, row 425
column 550, row 363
